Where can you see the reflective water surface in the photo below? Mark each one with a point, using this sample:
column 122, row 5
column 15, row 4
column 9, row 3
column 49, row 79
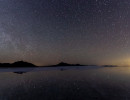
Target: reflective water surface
column 104, row 83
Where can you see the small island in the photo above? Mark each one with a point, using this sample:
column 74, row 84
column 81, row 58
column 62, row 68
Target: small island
column 65, row 64
column 110, row 66
column 17, row 64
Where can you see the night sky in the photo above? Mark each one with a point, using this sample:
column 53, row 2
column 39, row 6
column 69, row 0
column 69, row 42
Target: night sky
column 46, row 32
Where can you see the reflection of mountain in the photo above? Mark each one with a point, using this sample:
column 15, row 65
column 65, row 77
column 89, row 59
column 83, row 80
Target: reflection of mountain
column 22, row 70
column 17, row 64
column 19, row 72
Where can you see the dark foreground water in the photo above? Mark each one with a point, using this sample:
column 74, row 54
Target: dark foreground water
column 105, row 83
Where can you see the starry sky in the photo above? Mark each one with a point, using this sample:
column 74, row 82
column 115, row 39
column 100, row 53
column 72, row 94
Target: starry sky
column 46, row 32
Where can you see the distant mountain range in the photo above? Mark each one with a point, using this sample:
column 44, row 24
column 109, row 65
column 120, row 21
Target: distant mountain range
column 27, row 64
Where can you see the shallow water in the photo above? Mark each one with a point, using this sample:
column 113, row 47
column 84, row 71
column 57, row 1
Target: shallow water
column 65, row 83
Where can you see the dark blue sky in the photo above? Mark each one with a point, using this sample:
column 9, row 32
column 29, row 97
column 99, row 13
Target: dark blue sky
column 46, row 32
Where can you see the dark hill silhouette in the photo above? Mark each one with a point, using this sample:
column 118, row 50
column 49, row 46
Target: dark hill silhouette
column 110, row 66
column 66, row 64
column 17, row 64
column 22, row 64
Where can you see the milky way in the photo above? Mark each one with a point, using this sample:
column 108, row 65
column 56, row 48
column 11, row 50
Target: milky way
column 46, row 32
